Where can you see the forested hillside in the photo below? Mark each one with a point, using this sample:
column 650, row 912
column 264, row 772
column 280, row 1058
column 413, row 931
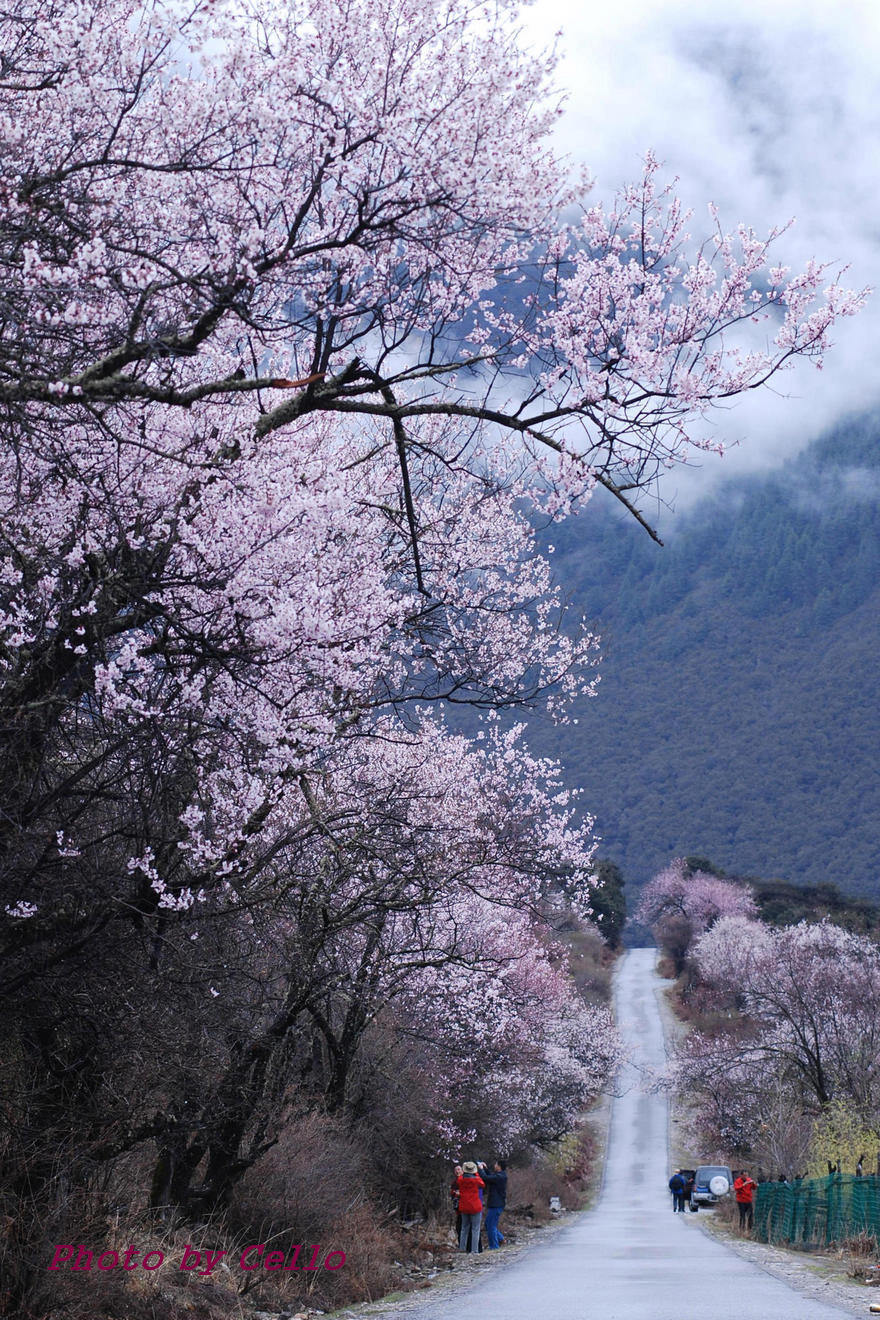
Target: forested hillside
column 737, row 714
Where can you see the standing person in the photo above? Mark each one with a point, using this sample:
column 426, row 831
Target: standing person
column 676, row 1186
column 689, row 1183
column 470, row 1184
column 744, row 1189
column 453, row 1192
column 496, row 1199
column 480, row 1168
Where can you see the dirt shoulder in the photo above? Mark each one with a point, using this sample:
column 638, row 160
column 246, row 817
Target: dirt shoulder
column 463, row 1271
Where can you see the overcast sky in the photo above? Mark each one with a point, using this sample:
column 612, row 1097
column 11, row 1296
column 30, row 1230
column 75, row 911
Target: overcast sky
column 769, row 108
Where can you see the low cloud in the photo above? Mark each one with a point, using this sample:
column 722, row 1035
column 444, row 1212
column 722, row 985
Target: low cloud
column 771, row 112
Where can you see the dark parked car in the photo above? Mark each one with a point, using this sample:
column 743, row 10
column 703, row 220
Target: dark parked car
column 711, row 1182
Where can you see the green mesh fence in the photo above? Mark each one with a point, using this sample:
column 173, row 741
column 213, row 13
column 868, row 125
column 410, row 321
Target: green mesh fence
column 817, row 1211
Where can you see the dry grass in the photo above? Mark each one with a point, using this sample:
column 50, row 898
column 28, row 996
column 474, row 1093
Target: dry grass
column 860, row 1252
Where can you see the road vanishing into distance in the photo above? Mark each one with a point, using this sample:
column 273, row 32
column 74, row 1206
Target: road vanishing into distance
column 630, row 1258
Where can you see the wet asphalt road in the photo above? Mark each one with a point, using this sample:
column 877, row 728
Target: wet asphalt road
column 630, row 1258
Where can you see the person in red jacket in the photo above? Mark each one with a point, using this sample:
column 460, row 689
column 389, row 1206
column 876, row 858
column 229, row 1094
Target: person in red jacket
column 744, row 1189
column 470, row 1206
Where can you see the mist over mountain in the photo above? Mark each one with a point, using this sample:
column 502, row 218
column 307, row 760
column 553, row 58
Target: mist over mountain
column 737, row 715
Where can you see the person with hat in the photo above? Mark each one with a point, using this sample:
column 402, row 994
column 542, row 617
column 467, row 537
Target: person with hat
column 470, row 1206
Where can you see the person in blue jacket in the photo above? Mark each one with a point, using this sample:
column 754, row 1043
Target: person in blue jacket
column 677, row 1185
column 496, row 1199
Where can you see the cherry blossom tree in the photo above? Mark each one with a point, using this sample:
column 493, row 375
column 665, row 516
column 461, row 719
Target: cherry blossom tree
column 744, row 1105
column 514, row 1051
column 413, row 841
column 807, row 1035
column 197, row 194
column 271, row 430
column 818, row 990
column 488, row 1053
column 726, row 954
column 680, row 904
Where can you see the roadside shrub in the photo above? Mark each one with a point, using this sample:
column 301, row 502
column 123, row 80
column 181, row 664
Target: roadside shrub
column 311, row 1178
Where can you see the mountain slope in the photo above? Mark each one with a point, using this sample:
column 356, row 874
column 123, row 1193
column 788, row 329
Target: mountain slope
column 737, row 715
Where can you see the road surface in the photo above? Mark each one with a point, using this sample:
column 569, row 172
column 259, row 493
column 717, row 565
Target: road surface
column 630, row 1258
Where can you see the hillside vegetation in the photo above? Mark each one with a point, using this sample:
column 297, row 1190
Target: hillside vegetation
column 737, row 714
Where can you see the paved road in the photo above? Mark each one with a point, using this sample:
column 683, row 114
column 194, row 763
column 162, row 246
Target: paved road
column 631, row 1258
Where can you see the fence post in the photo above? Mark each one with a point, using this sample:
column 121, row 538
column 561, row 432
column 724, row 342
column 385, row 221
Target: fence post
column 797, row 1213
column 811, row 1211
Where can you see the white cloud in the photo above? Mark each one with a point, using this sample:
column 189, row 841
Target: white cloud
column 769, row 109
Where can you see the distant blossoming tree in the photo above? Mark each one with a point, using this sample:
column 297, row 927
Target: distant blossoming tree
column 807, row 1036
column 680, row 904
column 726, row 954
